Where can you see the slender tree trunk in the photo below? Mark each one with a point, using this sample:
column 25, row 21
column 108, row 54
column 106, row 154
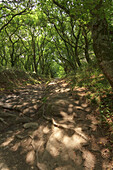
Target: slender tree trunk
column 76, row 48
column 34, row 53
column 77, row 58
column 12, row 56
column 86, row 46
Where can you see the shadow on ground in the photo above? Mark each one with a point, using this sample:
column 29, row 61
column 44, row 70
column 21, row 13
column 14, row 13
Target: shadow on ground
column 28, row 141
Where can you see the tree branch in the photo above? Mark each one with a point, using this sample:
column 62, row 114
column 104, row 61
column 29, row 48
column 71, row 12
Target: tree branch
column 20, row 13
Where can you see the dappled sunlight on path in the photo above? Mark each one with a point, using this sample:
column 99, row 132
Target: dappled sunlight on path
column 76, row 141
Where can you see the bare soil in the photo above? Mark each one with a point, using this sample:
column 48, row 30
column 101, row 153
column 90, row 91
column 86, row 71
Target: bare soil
column 69, row 139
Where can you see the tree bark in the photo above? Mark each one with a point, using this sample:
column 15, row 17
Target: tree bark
column 86, row 46
column 102, row 46
column 76, row 48
column 34, row 53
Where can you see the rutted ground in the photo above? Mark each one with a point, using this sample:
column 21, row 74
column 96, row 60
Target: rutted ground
column 29, row 141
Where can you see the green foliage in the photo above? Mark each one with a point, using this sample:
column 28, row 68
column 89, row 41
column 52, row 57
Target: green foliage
column 44, row 99
column 57, row 70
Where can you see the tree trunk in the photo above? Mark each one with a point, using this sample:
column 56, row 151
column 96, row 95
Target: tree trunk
column 103, row 47
column 34, row 54
column 77, row 58
column 86, row 46
column 12, row 56
column 76, row 48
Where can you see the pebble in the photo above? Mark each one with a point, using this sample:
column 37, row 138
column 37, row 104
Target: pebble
column 30, row 125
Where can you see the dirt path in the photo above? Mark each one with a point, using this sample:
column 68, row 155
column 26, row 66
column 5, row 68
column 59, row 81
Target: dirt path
column 30, row 141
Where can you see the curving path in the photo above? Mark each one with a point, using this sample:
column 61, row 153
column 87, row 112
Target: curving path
column 30, row 140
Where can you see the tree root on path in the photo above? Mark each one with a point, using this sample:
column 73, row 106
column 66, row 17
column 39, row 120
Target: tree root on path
column 51, row 120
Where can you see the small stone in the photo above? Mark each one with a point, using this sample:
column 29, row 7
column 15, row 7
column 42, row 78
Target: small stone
column 30, row 125
column 9, row 132
column 23, row 120
column 20, row 136
column 80, row 119
column 86, row 128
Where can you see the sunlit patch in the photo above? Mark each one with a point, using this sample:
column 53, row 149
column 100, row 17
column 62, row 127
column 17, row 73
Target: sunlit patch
column 18, row 106
column 35, row 91
column 25, row 103
column 35, row 106
column 66, row 90
column 79, row 89
column 5, row 105
column 8, row 141
column 74, row 142
column 70, row 105
column 52, row 83
column 53, row 151
column 64, row 84
column 35, row 100
column 30, row 157
column 3, row 166
column 27, row 110
column 65, row 167
column 57, row 90
column 78, row 130
column 62, row 102
column 62, row 90
column 89, row 159
column 87, row 109
column 70, row 110
column 41, row 166
column 46, row 130
column 53, row 146
column 76, row 101
column 15, row 147
column 58, row 134
column 84, row 104
column 63, row 113
column 78, row 107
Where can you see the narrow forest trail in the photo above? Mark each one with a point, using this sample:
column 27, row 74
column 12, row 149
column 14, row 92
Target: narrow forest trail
column 49, row 127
